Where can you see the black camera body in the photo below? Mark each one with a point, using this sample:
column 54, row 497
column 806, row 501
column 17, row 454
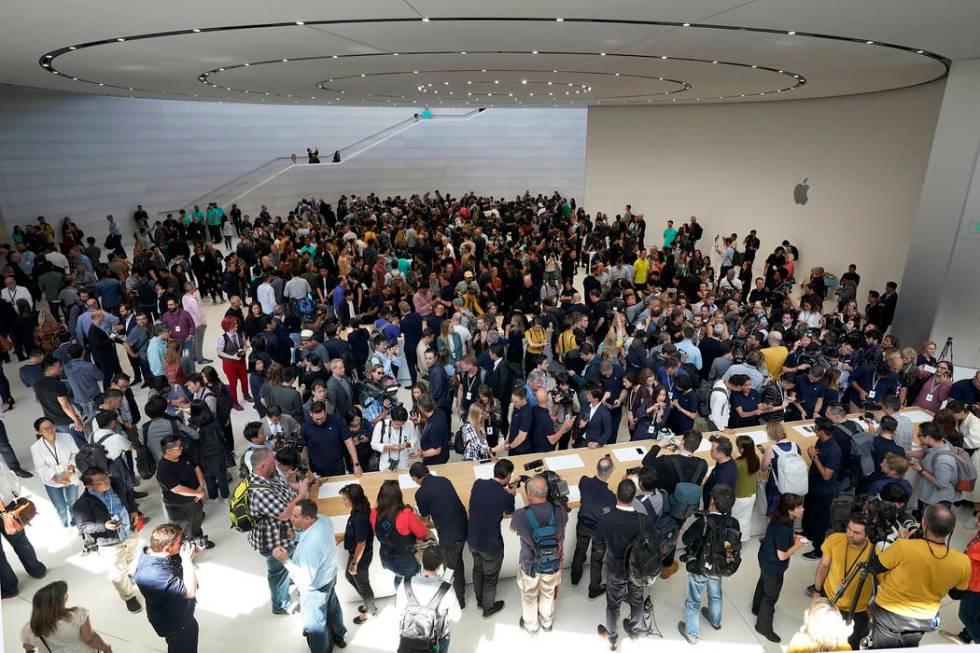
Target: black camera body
column 563, row 397
column 885, row 518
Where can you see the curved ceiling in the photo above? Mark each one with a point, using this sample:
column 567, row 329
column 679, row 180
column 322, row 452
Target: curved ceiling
column 461, row 53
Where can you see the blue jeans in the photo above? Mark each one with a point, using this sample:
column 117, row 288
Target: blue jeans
column 323, row 620
column 278, row 579
column 63, row 498
column 25, row 553
column 692, row 606
column 402, row 567
column 77, row 436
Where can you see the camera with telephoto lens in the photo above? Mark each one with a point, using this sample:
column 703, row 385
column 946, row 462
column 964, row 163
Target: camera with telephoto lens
column 886, row 520
column 518, row 482
column 563, row 397
column 557, row 489
column 198, row 542
column 387, row 397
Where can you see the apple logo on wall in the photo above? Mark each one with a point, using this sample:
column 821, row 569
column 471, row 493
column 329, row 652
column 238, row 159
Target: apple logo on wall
column 800, row 192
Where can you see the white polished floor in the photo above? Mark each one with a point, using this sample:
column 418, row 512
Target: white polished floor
column 233, row 608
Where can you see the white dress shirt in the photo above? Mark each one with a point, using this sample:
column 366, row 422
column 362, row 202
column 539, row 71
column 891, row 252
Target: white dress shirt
column 54, row 460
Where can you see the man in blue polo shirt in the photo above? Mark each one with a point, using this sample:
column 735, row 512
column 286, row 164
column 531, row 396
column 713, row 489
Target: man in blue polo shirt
column 825, row 462
column 437, row 499
column 434, row 435
column 490, row 500
column 325, row 439
column 810, row 390
column 871, row 383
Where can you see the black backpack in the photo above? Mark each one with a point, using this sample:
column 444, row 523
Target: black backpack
column 459, row 444
column 222, row 405
column 720, row 552
column 644, row 559
column 93, row 454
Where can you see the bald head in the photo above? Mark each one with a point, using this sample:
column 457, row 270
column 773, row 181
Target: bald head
column 537, row 490
column 604, row 468
column 775, row 338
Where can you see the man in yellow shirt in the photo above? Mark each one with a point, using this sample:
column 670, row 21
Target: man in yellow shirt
column 775, row 354
column 641, row 268
column 917, row 575
column 842, row 552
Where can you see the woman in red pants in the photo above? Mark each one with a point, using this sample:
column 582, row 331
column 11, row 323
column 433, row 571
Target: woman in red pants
column 232, row 348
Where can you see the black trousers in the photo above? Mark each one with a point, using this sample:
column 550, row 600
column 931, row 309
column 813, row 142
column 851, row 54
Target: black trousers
column 362, row 583
column 184, row 639
column 7, row 451
column 764, row 600
column 890, row 630
column 619, row 589
column 486, row 571
column 861, row 627
column 137, row 369
column 413, row 362
column 188, row 516
column 816, row 518
column 453, row 554
column 582, row 542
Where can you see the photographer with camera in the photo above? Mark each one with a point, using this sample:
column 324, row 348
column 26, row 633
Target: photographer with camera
column 167, row 577
column 541, row 529
column 842, row 553
column 395, row 438
column 920, row 572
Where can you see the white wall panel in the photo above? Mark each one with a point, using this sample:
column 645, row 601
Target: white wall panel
column 735, row 168
column 86, row 156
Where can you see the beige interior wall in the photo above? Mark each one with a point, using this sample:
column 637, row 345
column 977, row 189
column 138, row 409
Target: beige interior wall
column 735, row 166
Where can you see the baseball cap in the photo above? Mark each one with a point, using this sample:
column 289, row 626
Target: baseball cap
column 305, row 334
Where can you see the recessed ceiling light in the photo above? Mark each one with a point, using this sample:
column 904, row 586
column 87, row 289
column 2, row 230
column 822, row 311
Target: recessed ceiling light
column 74, row 79
column 120, row 39
column 754, row 66
column 72, row 47
column 687, row 25
column 663, row 57
column 617, row 74
column 496, row 81
column 559, row 20
column 196, row 30
column 919, row 51
column 602, row 54
column 246, row 64
column 463, row 52
column 869, row 42
column 523, row 81
column 469, row 82
column 444, row 83
column 299, row 22
column 394, row 54
column 534, row 51
column 220, row 70
column 363, row 75
column 285, row 60
column 791, row 33
column 415, row 72
column 425, row 19
column 101, row 84
column 714, row 62
column 334, row 57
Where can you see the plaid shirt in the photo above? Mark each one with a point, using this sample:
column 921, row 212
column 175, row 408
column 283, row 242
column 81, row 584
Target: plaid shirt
column 266, row 501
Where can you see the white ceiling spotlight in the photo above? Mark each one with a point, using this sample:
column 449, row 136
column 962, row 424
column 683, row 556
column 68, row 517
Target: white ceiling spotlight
column 299, row 22
column 425, row 19
column 559, row 20
column 196, row 30
column 686, row 25
column 791, row 33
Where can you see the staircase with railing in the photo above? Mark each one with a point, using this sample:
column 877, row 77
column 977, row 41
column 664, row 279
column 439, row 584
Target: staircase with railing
column 229, row 192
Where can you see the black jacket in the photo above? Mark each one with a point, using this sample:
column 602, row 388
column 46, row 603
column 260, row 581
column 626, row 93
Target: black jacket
column 91, row 514
column 502, row 382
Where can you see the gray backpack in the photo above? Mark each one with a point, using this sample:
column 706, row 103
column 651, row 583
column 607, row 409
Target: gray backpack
column 423, row 623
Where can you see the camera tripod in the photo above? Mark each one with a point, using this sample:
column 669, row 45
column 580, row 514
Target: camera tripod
column 947, row 352
column 859, row 573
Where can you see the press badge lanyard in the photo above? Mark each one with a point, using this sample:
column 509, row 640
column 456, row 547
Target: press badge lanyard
column 670, row 388
column 874, row 384
column 469, row 387
column 932, row 388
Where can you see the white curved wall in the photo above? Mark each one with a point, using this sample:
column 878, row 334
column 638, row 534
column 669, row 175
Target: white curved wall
column 735, row 166
column 86, row 156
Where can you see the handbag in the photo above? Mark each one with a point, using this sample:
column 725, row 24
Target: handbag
column 18, row 516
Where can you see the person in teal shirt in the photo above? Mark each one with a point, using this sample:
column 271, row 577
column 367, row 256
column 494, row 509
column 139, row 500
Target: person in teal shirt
column 669, row 233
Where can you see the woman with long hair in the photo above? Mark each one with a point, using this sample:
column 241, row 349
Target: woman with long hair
column 746, row 484
column 475, row 446
column 637, row 397
column 653, row 420
column 56, row 628
column 172, row 367
column 946, row 421
column 778, row 545
column 770, row 461
column 831, row 388
column 254, row 320
column 47, row 331
column 397, row 529
column 359, row 544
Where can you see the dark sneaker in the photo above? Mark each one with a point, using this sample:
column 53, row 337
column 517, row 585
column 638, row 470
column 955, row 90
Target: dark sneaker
column 704, row 613
column 494, row 609
column 133, row 605
column 596, row 592
column 23, row 473
column 682, row 629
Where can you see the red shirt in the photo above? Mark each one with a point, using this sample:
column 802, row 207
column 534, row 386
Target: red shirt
column 973, row 553
column 406, row 522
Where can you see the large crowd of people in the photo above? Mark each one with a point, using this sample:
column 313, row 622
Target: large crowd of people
column 403, row 333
